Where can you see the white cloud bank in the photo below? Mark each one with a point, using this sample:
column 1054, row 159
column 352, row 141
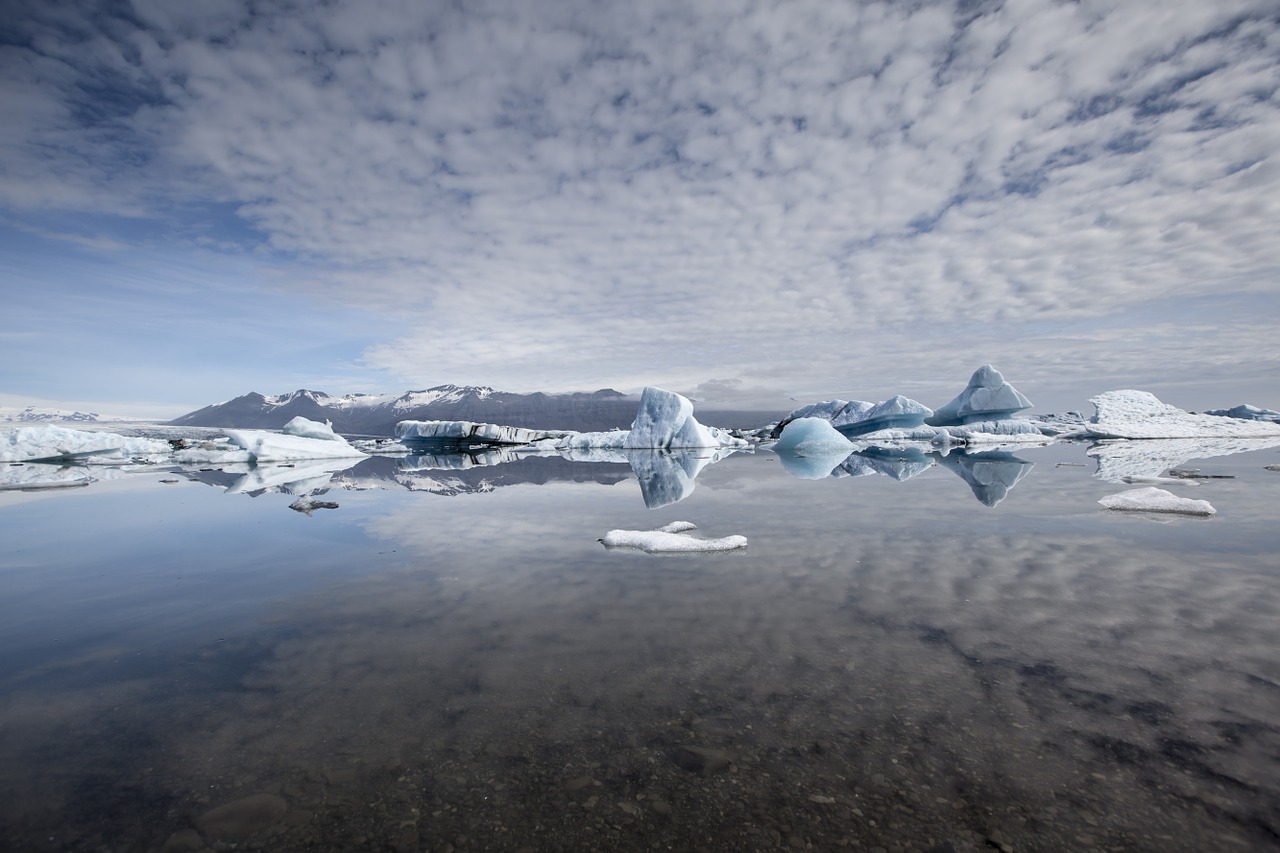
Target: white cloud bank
column 567, row 195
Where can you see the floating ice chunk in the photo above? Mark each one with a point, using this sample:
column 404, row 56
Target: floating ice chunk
column 665, row 420
column 1138, row 414
column 307, row 505
column 999, row 431
column 304, row 428
column 671, row 539
column 467, row 433
column 19, row 444
column 898, row 412
column 591, row 440
column 1152, row 499
column 987, row 397
column 813, row 437
column 274, row 447
column 1247, row 413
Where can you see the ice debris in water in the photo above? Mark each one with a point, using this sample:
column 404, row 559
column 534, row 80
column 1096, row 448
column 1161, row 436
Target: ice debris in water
column 673, row 538
column 1152, row 499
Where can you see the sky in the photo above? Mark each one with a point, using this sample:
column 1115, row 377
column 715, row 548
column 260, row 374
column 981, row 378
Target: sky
column 754, row 203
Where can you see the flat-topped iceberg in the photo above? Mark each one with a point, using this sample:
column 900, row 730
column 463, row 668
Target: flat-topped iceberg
column 1138, row 414
column 987, row 397
column 665, row 421
column 467, row 434
column 1151, row 499
column 1246, row 412
column 674, row 538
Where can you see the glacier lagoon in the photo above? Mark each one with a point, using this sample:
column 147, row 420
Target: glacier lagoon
column 959, row 653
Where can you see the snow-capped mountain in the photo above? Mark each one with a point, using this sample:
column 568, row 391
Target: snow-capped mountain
column 377, row 414
column 32, row 415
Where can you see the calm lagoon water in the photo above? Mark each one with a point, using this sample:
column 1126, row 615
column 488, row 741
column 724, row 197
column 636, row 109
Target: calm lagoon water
column 450, row 660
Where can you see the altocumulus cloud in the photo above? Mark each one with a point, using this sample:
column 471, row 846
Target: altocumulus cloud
column 672, row 191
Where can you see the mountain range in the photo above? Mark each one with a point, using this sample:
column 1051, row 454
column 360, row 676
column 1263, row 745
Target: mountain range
column 377, row 414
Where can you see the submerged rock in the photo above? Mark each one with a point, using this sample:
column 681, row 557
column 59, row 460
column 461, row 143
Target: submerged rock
column 242, row 818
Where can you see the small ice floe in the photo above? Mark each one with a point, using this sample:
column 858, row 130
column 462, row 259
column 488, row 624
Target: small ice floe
column 673, row 538
column 308, row 505
column 1152, row 499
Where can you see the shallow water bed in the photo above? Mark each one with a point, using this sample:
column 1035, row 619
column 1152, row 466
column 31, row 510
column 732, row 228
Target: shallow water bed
column 888, row 664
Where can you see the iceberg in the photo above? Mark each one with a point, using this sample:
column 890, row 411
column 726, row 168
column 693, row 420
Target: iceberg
column 813, row 437
column 987, row 397
column 898, row 412
column 1246, row 412
column 59, row 444
column 674, row 538
column 1151, row 499
column 1138, row 414
column 665, row 421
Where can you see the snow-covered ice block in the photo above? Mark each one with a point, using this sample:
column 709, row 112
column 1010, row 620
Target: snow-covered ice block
column 304, row 428
column 665, row 420
column 987, row 397
column 674, row 538
column 1138, row 414
column 274, row 447
column 1151, row 499
column 20, row 444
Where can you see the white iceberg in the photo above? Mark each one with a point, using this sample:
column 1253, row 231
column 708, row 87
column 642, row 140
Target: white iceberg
column 1151, row 499
column 304, row 428
column 987, row 397
column 674, row 538
column 1138, row 414
column 25, row 444
column 665, row 421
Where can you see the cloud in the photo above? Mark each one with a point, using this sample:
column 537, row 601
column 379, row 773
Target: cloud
column 584, row 194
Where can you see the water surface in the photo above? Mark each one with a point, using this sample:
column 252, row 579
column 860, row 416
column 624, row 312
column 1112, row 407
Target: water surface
column 959, row 654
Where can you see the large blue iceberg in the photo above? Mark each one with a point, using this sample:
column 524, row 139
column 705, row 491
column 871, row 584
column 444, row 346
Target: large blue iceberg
column 987, row 397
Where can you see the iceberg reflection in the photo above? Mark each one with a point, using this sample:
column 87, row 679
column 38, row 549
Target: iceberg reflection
column 990, row 474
